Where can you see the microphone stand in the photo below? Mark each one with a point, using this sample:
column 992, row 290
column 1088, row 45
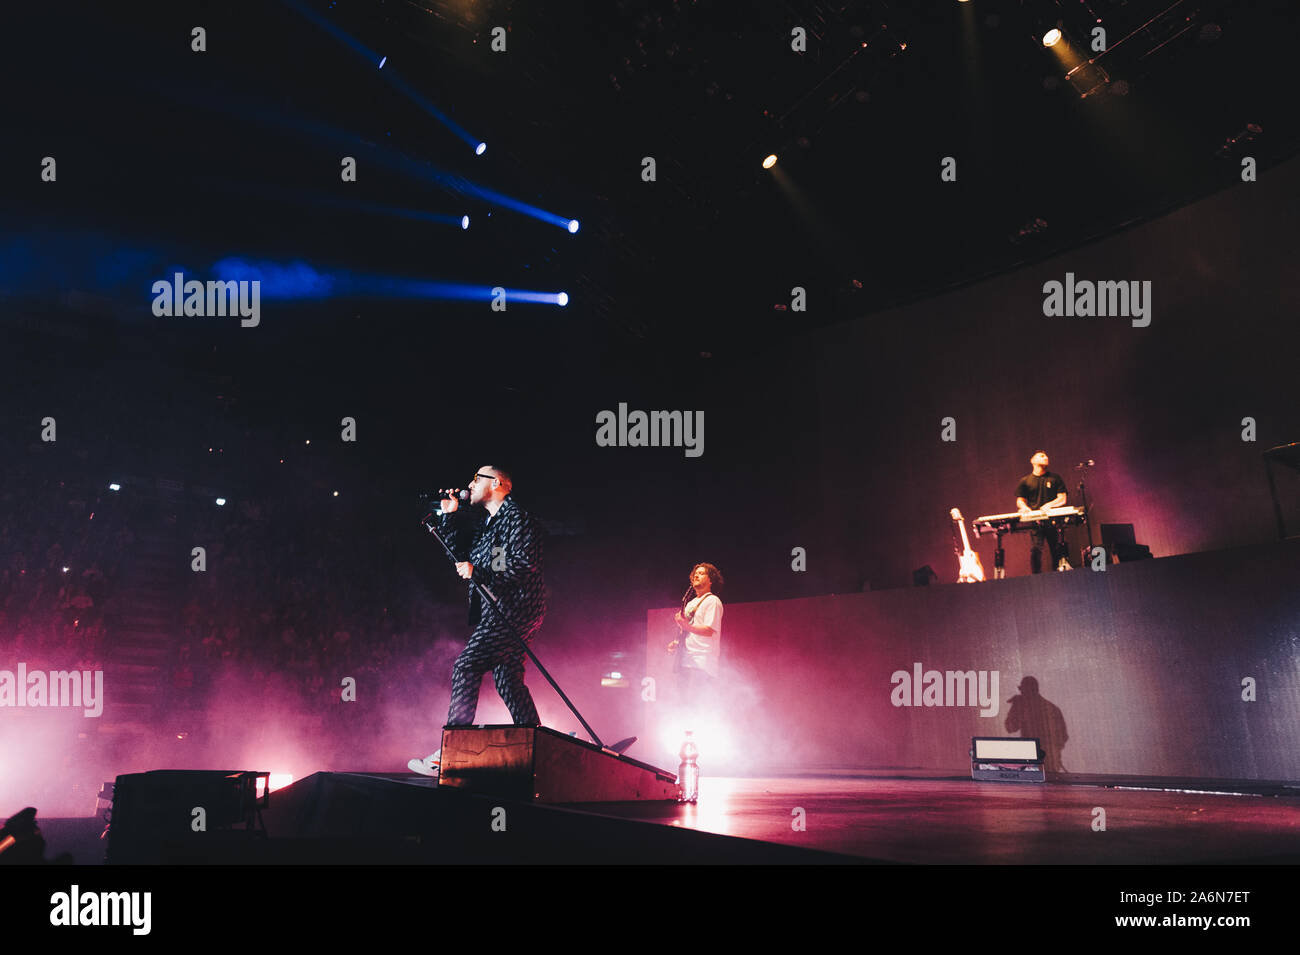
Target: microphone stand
column 1087, row 514
column 486, row 594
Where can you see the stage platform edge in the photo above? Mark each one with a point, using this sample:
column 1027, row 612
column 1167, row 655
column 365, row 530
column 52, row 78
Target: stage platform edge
column 543, row 765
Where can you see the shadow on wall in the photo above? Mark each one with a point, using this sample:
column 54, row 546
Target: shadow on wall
column 1034, row 716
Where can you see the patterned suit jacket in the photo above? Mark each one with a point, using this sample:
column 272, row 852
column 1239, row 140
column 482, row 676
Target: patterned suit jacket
column 506, row 552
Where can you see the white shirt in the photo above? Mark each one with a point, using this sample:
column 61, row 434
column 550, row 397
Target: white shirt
column 701, row 651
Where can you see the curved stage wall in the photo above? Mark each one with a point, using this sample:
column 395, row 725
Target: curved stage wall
column 1145, row 661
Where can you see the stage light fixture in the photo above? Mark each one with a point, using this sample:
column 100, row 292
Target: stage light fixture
column 1052, row 37
column 1088, row 78
column 562, row 298
column 480, row 149
column 1006, row 759
column 1239, row 138
column 573, row 225
column 382, row 62
column 115, row 487
column 21, row 835
column 221, row 502
column 770, row 161
column 464, row 222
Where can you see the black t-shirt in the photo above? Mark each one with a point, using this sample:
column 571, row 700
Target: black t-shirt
column 1037, row 491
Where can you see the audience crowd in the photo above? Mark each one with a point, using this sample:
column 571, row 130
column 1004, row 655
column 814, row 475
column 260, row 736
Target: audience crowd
column 299, row 592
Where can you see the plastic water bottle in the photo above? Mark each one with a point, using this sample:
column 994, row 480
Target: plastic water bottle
column 688, row 773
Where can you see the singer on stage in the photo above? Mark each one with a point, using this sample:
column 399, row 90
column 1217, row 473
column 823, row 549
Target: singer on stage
column 700, row 621
column 505, row 555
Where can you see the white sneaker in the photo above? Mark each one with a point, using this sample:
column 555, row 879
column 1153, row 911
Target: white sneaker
column 428, row 766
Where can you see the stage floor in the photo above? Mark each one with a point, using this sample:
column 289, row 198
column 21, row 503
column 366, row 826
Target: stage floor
column 959, row 821
column 860, row 818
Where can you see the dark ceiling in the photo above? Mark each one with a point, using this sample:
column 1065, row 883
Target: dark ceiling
column 171, row 157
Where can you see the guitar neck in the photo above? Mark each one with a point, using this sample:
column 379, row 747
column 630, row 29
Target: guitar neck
column 965, row 542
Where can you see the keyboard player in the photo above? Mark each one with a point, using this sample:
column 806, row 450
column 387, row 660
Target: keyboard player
column 1036, row 490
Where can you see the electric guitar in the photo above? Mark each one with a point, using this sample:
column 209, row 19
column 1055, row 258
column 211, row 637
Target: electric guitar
column 971, row 570
column 678, row 646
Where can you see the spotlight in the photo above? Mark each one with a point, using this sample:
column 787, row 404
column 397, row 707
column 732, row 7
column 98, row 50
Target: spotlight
column 562, row 298
column 1088, row 78
column 573, row 225
column 480, row 149
column 271, row 784
column 464, row 222
column 221, row 502
column 382, row 62
column 770, row 161
column 115, row 487
column 1052, row 37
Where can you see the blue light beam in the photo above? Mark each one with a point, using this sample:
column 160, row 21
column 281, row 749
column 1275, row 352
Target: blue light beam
column 356, row 46
column 518, row 205
column 474, row 142
column 300, row 282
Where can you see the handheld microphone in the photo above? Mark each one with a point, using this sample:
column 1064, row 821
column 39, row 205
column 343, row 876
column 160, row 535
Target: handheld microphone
column 433, row 501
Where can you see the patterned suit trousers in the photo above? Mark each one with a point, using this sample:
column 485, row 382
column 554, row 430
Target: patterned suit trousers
column 491, row 647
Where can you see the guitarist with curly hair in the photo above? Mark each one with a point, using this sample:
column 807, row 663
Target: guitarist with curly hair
column 700, row 639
